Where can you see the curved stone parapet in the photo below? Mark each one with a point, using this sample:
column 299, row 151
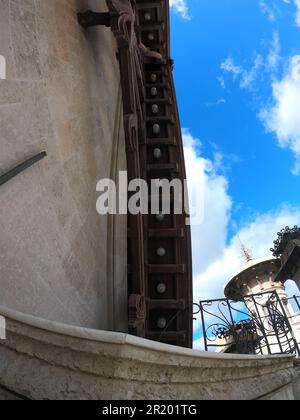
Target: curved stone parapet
column 296, row 387
column 40, row 359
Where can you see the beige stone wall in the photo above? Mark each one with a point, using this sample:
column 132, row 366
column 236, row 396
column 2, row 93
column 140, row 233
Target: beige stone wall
column 61, row 95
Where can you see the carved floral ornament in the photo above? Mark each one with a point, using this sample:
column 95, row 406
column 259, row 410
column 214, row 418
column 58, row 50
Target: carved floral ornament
column 125, row 26
column 285, row 236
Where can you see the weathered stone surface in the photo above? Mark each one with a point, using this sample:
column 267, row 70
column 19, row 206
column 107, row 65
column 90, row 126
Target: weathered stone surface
column 6, row 395
column 5, row 40
column 45, row 360
column 62, row 96
column 296, row 387
column 285, row 393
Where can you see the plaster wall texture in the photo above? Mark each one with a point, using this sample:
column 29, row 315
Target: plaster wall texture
column 6, row 395
column 61, row 95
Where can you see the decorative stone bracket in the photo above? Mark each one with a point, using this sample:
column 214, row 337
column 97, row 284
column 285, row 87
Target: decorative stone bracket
column 89, row 18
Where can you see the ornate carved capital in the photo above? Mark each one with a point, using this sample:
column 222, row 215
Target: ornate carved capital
column 137, row 314
column 123, row 22
column 131, row 128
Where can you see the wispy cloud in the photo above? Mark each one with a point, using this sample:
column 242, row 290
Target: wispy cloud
column 297, row 4
column 282, row 117
column 181, row 7
column 246, row 77
column 249, row 76
column 272, row 10
column 229, row 66
column 217, row 103
column 269, row 9
column 262, row 65
column 274, row 57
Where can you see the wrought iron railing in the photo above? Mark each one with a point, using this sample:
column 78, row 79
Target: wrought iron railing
column 261, row 324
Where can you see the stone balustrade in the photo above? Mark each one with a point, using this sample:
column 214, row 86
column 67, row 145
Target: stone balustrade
column 45, row 360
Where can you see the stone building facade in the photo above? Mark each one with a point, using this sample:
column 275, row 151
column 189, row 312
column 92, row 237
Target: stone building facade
column 63, row 269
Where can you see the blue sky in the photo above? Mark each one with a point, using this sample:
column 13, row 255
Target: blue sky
column 219, row 29
column 237, row 75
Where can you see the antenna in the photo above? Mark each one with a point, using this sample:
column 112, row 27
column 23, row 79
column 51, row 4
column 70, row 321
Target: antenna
column 246, row 253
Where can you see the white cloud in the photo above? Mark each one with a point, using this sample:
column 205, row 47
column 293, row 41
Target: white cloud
column 180, row 6
column 204, row 179
column 258, row 236
column 221, row 80
column 282, row 117
column 297, row 4
column 249, row 76
column 268, row 9
column 230, row 67
column 219, row 102
column 246, row 77
column 261, row 66
column 272, row 9
column 274, row 58
column 216, row 260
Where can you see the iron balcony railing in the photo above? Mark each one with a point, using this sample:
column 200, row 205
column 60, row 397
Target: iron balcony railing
column 261, row 324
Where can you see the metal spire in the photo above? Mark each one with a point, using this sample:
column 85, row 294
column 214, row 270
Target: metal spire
column 246, row 253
